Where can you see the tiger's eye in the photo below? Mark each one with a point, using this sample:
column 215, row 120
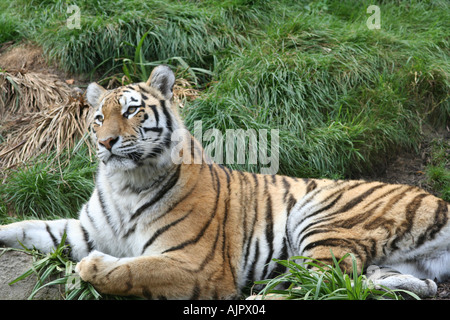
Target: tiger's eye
column 99, row 118
column 131, row 110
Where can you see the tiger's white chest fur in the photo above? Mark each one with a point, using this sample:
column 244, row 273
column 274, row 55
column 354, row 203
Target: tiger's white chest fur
column 117, row 216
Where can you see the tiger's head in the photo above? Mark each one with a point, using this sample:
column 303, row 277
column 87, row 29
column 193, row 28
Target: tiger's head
column 132, row 125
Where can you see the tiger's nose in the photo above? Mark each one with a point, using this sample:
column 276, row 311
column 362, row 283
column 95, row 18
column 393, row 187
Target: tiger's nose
column 108, row 143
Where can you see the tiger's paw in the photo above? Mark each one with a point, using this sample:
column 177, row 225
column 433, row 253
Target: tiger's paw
column 95, row 266
column 392, row 279
column 106, row 273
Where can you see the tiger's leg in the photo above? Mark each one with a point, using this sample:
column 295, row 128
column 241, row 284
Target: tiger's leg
column 151, row 277
column 46, row 235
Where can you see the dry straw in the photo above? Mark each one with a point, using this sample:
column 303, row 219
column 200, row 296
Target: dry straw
column 39, row 114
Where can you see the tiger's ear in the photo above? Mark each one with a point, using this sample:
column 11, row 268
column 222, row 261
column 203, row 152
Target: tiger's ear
column 94, row 93
column 163, row 79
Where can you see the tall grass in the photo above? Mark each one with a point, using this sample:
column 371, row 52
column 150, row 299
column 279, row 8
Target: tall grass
column 438, row 170
column 342, row 96
column 48, row 191
column 193, row 31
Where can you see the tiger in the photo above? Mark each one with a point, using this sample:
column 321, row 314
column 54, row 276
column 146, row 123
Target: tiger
column 161, row 227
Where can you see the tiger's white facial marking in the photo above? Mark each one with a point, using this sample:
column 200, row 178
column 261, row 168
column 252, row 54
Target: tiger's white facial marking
column 98, row 116
column 130, row 101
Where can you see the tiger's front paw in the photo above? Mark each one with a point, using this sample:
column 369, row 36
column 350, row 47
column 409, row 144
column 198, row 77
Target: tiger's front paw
column 103, row 271
column 92, row 267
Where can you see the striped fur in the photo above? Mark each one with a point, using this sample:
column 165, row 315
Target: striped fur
column 158, row 229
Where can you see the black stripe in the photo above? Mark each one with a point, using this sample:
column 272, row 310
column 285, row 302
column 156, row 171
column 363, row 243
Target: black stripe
column 356, row 219
column 129, row 231
column 225, row 251
column 55, row 242
column 156, row 113
column 269, row 232
column 153, row 129
column 211, row 252
column 167, row 140
column 91, row 220
column 251, row 274
column 213, row 176
column 86, row 239
column 145, row 117
column 167, row 115
column 440, row 220
column 369, row 250
column 175, row 204
column 254, row 193
column 145, row 89
column 332, row 242
column 243, row 182
column 357, row 200
column 202, row 231
column 348, row 206
column 103, row 207
column 135, row 156
column 226, row 210
column 195, row 292
column 313, row 194
column 407, row 225
column 147, row 293
column 381, row 221
column 67, row 251
column 311, row 186
column 156, row 151
column 280, row 269
column 329, row 206
column 383, row 196
column 287, row 187
column 160, row 231
column 167, row 187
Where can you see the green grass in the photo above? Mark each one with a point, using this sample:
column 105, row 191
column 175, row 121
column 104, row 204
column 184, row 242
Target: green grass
column 194, row 31
column 342, row 96
column 315, row 280
column 438, row 170
column 45, row 190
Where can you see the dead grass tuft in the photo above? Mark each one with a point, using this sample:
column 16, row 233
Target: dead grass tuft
column 40, row 114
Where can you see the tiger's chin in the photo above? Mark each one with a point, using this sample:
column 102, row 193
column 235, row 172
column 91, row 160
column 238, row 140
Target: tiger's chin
column 115, row 163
